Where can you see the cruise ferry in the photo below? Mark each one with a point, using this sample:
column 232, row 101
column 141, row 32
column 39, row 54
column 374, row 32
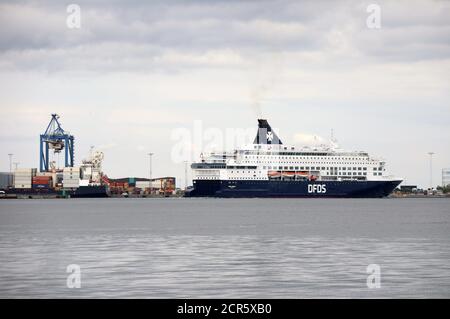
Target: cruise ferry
column 269, row 168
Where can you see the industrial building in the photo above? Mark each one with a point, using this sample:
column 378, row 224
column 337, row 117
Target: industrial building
column 6, row 180
column 445, row 177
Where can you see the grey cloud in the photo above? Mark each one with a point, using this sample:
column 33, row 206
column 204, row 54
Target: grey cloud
column 120, row 35
column 187, row 25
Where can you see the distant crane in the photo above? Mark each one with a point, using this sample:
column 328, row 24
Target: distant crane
column 56, row 139
column 10, row 162
column 431, row 169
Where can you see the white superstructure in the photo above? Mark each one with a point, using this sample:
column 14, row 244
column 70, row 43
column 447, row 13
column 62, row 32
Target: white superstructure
column 91, row 169
column 89, row 173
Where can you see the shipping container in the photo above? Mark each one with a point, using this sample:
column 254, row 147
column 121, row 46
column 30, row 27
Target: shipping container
column 25, row 186
column 41, row 186
column 41, row 183
column 42, row 178
column 23, row 177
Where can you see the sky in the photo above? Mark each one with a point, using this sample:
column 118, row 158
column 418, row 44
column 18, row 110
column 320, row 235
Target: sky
column 139, row 77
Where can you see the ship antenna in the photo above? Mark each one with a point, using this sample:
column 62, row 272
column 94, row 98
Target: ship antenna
column 333, row 141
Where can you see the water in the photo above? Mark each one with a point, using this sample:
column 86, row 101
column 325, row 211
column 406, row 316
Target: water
column 202, row 248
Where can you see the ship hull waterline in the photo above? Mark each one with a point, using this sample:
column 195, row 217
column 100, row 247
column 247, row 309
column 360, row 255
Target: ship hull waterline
column 292, row 189
column 90, row 192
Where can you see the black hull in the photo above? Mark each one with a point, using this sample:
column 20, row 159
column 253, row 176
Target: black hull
column 31, row 191
column 309, row 189
column 90, row 192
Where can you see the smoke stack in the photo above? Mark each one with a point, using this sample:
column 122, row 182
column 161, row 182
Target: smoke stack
column 265, row 134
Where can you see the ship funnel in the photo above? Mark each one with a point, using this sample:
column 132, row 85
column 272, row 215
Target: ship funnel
column 265, row 134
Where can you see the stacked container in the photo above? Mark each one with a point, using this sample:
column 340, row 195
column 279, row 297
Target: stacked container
column 23, row 177
column 42, row 182
column 53, row 175
column 71, row 177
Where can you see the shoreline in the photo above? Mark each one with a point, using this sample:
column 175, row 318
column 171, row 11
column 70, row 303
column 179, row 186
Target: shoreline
column 54, row 196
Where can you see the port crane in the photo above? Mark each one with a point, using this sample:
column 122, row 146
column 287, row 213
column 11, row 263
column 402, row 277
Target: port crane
column 57, row 140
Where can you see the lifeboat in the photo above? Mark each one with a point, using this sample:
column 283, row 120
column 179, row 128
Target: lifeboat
column 288, row 174
column 274, row 174
column 304, row 174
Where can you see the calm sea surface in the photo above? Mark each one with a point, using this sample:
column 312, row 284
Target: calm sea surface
column 200, row 248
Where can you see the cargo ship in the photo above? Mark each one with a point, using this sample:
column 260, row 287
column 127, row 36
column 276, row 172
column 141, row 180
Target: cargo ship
column 93, row 191
column 269, row 168
column 88, row 180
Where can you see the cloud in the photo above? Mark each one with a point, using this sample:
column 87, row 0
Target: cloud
column 175, row 36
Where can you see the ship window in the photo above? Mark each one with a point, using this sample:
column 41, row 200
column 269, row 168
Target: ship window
column 365, row 168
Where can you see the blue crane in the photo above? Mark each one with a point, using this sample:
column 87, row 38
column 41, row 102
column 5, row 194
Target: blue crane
column 56, row 139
